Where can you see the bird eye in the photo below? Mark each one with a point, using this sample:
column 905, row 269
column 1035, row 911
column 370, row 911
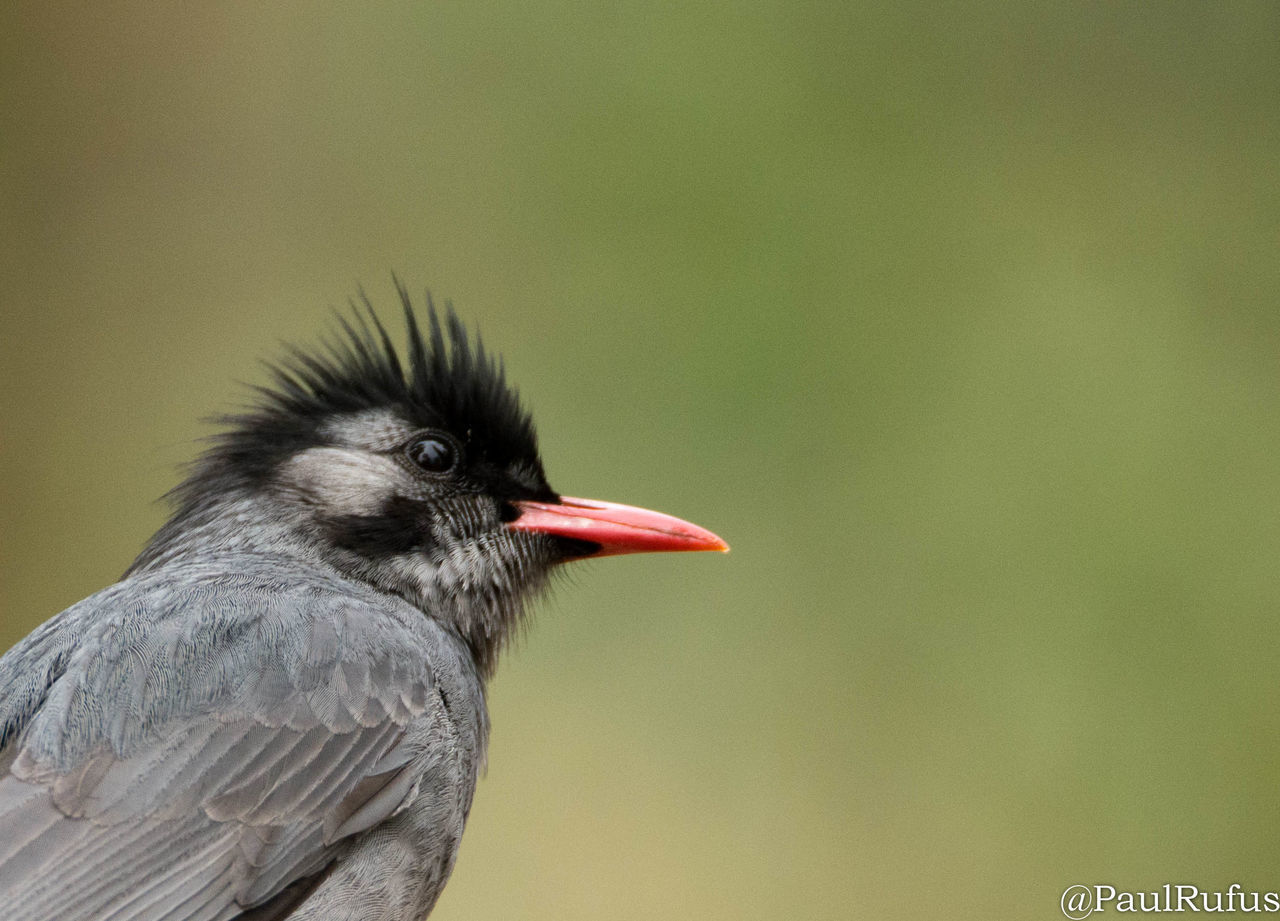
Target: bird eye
column 432, row 453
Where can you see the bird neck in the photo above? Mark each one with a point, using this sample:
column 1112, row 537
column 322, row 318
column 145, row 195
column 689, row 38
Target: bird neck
column 228, row 524
column 482, row 608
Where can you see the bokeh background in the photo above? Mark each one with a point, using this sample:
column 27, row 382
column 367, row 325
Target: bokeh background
column 958, row 321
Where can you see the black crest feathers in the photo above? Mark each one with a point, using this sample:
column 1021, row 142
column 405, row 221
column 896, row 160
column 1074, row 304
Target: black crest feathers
column 445, row 379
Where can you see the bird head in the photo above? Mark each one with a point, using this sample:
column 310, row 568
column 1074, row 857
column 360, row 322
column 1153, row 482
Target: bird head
column 416, row 473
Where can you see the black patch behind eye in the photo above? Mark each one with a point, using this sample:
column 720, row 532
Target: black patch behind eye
column 399, row 527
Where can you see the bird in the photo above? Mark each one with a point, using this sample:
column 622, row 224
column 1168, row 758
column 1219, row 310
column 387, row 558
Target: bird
column 279, row 710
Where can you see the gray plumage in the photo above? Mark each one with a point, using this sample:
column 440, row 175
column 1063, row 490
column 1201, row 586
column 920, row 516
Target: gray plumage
column 279, row 711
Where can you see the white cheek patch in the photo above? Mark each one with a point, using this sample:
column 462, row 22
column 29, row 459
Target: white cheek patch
column 375, row 429
column 344, row 481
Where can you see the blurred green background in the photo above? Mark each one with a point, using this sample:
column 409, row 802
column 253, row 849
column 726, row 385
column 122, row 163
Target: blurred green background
column 958, row 322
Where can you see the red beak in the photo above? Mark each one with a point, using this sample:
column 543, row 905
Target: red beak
column 616, row 528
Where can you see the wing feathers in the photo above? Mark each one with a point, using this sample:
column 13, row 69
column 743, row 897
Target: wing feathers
column 202, row 889
column 204, row 748
column 266, row 772
column 372, row 800
column 296, row 857
column 127, row 788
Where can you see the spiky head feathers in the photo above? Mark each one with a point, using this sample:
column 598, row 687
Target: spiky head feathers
column 397, row 471
column 446, row 380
